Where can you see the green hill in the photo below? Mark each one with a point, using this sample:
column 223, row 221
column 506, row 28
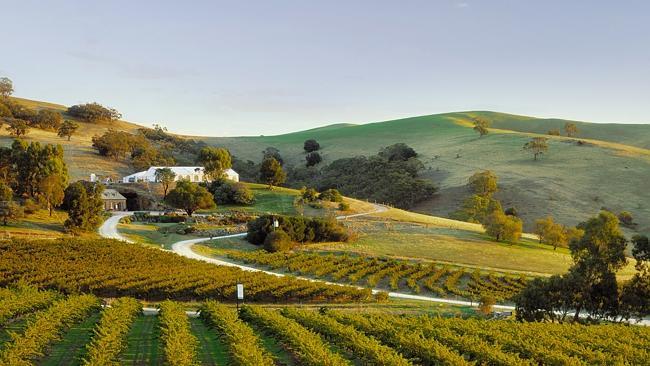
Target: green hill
column 571, row 182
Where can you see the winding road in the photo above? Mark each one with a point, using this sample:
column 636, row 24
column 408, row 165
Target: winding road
column 184, row 248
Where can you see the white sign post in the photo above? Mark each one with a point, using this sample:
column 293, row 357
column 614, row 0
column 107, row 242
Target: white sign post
column 240, row 294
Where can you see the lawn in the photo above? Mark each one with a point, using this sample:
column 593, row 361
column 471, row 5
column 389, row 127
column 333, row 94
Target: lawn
column 149, row 234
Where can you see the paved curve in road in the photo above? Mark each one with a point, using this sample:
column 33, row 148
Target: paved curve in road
column 184, row 248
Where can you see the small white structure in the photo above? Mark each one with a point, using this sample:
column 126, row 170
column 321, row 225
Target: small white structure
column 190, row 173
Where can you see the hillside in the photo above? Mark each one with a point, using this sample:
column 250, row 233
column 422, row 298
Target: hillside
column 571, row 182
column 81, row 158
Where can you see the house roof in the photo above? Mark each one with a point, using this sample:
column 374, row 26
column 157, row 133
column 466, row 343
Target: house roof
column 178, row 170
column 111, row 194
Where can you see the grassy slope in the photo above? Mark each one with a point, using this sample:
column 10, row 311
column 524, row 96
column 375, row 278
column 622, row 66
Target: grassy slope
column 571, row 182
column 81, row 158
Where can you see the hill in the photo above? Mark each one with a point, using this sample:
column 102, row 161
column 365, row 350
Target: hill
column 80, row 156
column 571, row 182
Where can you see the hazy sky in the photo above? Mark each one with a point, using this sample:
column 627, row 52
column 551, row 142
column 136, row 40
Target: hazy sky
column 265, row 67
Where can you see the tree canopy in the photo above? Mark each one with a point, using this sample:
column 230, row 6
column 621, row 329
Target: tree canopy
column 271, row 172
column 83, row 202
column 215, row 161
column 190, row 197
column 6, row 87
column 483, row 183
column 311, row 145
column 94, row 113
column 537, row 145
column 481, row 126
column 67, row 129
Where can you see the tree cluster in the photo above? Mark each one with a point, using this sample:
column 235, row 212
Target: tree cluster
column 94, row 113
column 590, row 286
column 137, row 148
column 556, row 234
column 298, row 228
column 392, row 176
column 226, row 191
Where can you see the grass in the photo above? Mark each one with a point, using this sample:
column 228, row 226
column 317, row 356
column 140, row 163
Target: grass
column 570, row 182
column 71, row 349
column 144, row 347
column 148, row 234
column 38, row 225
column 212, row 351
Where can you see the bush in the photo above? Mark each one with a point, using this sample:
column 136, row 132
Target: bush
column 311, row 145
column 277, row 241
column 511, row 212
column 344, row 206
column 309, row 194
column 486, row 304
column 300, row 229
column 331, row 195
column 316, row 205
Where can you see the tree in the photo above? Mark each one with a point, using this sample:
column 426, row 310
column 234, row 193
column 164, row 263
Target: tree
column 83, row 202
column 483, row 183
column 229, row 192
column 94, row 112
column 309, row 194
column 67, row 129
column 6, row 87
column 32, row 163
column 476, row 208
column 554, row 132
column 215, row 161
column 17, row 127
column 48, row 120
column 481, row 126
column 397, row 152
column 272, row 152
column 311, row 145
column 331, row 195
column 538, row 146
column 502, row 227
column 486, row 303
column 635, row 295
column 271, row 172
column 551, row 233
column 52, row 190
column 571, row 129
column 313, row 159
column 190, row 197
column 8, row 208
column 626, row 219
column 166, row 177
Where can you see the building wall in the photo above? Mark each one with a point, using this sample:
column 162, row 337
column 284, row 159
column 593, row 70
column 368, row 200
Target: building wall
column 115, row 205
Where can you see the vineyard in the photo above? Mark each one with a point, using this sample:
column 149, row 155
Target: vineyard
column 388, row 274
column 122, row 334
column 110, row 268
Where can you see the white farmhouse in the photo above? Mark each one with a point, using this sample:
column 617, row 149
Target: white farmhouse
column 190, row 173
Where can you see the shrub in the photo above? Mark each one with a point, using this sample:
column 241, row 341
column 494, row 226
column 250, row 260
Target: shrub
column 316, row 205
column 30, row 206
column 511, row 212
column 331, row 195
column 309, row 194
column 554, row 132
column 277, row 241
column 486, row 304
column 344, row 206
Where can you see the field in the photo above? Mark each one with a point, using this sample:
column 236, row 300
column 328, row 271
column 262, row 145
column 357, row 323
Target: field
column 289, row 335
column 39, row 225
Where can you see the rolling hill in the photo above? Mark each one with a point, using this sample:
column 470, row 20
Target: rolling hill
column 611, row 168
column 571, row 182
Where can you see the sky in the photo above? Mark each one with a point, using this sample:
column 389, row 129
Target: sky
column 230, row 68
